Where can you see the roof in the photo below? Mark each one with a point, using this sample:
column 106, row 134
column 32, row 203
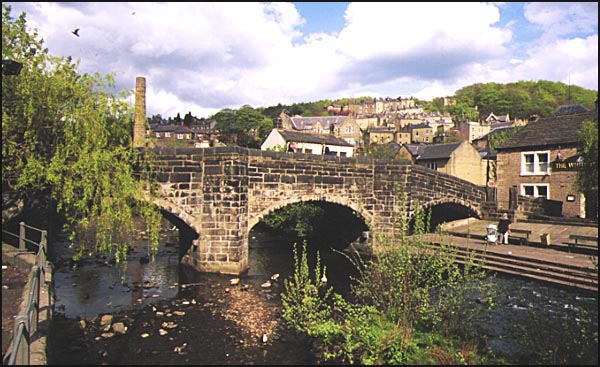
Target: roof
column 414, row 149
column 438, row 151
column 291, row 135
column 307, row 123
column 571, row 109
column 162, row 128
column 501, row 118
column 549, row 131
column 382, row 129
column 432, row 151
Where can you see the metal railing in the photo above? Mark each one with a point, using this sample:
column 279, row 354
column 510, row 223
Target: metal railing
column 26, row 323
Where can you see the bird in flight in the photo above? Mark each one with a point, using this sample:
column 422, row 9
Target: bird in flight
column 76, row 32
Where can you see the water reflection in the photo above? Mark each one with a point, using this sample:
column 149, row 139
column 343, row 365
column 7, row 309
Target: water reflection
column 94, row 287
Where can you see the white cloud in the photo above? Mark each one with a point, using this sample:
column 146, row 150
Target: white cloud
column 202, row 57
column 559, row 18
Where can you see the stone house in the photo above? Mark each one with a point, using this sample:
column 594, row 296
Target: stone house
column 540, row 161
column 403, row 135
column 382, row 135
column 321, row 144
column 343, row 127
column 459, row 159
column 421, row 133
column 180, row 135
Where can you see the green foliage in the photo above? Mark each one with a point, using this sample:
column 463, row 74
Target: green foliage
column 278, row 148
column 382, row 151
column 246, row 127
column 305, row 298
column 297, row 219
column 500, row 136
column 67, row 136
column 411, row 302
column 587, row 180
column 524, row 98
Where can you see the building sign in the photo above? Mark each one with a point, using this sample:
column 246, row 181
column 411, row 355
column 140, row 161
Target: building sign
column 573, row 163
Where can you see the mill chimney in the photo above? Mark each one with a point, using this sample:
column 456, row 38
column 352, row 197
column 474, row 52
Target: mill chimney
column 139, row 116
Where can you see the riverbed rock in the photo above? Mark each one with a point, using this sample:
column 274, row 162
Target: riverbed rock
column 119, row 328
column 106, row 320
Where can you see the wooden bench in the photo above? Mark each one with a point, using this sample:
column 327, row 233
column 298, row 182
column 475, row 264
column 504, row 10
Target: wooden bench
column 522, row 239
column 577, row 242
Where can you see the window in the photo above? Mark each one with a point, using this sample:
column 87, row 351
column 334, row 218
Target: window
column 536, row 190
column 167, row 135
column 432, row 165
column 535, row 163
column 179, row 136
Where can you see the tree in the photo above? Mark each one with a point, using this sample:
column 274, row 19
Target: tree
column 382, row 151
column 187, row 119
column 67, row 140
column 587, row 180
column 246, row 127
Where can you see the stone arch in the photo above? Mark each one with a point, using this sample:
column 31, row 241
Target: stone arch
column 254, row 219
column 176, row 211
column 451, row 200
column 188, row 233
column 432, row 204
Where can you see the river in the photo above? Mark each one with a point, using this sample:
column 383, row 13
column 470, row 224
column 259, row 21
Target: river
column 171, row 315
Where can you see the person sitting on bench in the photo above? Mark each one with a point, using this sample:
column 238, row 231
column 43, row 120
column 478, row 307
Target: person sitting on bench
column 504, row 228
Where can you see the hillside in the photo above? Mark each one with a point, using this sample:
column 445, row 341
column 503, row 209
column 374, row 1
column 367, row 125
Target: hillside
column 520, row 100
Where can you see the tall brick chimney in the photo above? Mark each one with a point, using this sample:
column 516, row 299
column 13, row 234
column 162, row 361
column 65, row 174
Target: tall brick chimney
column 139, row 116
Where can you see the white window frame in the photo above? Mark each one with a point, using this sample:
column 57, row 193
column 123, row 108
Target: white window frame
column 432, row 165
column 538, row 168
column 167, row 135
column 179, row 136
column 536, row 187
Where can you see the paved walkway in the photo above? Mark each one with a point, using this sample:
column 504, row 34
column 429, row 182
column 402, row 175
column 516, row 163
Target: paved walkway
column 559, row 233
column 25, row 262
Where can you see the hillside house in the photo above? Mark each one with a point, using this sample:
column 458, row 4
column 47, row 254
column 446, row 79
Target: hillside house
column 343, row 127
column 421, row 133
column 307, row 143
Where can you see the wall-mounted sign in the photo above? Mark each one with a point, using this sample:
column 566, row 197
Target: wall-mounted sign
column 573, row 163
column 570, row 197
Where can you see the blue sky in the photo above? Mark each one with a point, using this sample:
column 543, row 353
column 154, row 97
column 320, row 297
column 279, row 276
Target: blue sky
column 319, row 17
column 202, row 57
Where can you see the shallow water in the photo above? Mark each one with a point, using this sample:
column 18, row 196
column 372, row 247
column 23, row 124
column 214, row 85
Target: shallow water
column 237, row 318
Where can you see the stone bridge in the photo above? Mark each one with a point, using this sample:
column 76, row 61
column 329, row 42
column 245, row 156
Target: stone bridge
column 221, row 193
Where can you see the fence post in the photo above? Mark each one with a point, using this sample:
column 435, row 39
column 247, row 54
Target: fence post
column 42, row 251
column 22, row 236
column 21, row 341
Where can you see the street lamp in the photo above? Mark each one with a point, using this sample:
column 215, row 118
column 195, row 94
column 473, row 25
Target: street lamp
column 11, row 67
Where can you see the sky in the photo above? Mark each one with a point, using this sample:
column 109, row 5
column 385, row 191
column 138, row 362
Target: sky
column 203, row 57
